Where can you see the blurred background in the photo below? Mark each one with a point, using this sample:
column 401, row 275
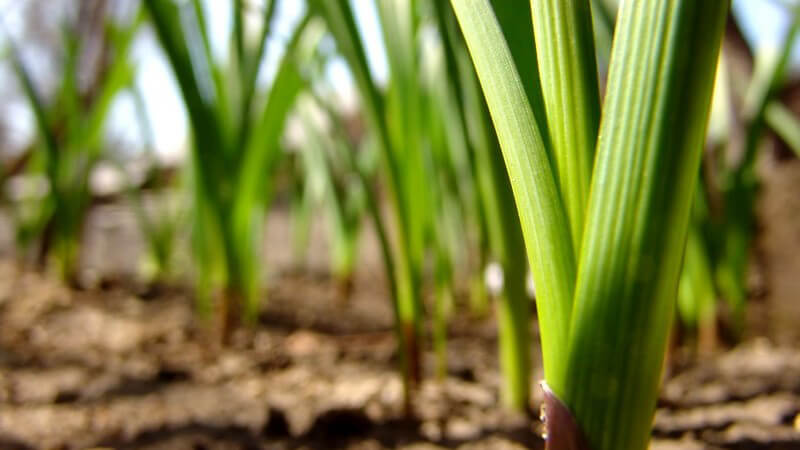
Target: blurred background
column 281, row 224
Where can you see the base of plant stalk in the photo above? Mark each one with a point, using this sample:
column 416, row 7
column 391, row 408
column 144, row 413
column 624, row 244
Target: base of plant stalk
column 412, row 373
column 344, row 288
column 227, row 316
column 562, row 431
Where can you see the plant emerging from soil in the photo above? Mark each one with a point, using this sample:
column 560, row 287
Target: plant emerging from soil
column 444, row 175
column 236, row 129
column 70, row 126
column 605, row 240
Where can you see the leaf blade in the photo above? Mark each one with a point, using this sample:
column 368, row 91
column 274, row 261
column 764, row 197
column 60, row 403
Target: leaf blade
column 651, row 136
column 544, row 222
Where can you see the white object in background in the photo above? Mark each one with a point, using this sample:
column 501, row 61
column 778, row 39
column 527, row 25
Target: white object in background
column 493, row 277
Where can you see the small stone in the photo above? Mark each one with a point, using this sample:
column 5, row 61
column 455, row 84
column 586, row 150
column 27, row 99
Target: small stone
column 461, row 429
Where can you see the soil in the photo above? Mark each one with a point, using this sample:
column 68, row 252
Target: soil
column 115, row 366
column 107, row 368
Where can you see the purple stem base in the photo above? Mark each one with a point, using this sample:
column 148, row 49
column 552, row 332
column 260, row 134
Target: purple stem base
column 563, row 432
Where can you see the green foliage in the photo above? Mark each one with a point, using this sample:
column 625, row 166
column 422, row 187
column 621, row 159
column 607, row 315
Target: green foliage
column 544, row 221
column 493, row 148
column 785, row 124
column 397, row 250
column 70, row 126
column 648, row 154
column 410, row 156
column 161, row 218
column 725, row 232
column 568, row 69
column 341, row 197
column 235, row 143
column 496, row 214
column 445, row 178
column 739, row 185
column 696, row 295
column 603, row 347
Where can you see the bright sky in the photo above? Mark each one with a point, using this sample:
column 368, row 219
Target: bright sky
column 763, row 21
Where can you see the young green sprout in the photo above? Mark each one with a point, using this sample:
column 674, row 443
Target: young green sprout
column 71, row 128
column 498, row 221
column 235, row 145
column 445, row 178
column 605, row 298
column 394, row 120
column 328, row 186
